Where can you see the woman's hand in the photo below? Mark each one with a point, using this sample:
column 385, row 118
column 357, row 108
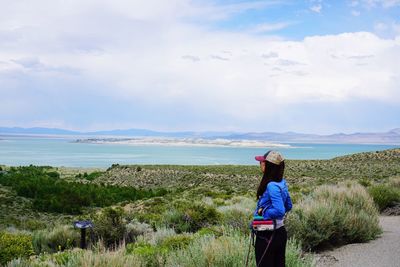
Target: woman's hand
column 260, row 211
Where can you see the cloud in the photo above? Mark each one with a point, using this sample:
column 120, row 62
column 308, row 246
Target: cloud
column 270, row 27
column 286, row 62
column 192, row 58
column 381, row 3
column 134, row 65
column 316, row 8
column 270, row 55
column 388, row 29
column 355, row 13
column 219, row 57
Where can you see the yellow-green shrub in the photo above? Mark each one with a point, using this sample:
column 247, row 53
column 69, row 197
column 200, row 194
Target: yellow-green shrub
column 14, row 246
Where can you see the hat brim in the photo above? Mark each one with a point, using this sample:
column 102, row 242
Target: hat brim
column 260, row 158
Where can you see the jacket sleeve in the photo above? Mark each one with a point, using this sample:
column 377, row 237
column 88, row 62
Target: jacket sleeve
column 277, row 209
column 288, row 203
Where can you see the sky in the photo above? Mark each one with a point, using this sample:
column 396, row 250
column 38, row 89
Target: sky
column 310, row 66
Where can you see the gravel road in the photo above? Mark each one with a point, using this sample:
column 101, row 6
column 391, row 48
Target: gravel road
column 383, row 252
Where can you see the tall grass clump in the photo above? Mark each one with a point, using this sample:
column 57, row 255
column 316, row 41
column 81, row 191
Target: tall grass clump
column 169, row 250
column 82, row 258
column 237, row 213
column 59, row 238
column 385, row 195
column 190, row 217
column 230, row 249
column 334, row 215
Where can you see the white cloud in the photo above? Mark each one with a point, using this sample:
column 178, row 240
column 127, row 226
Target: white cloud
column 270, row 27
column 355, row 13
column 381, row 3
column 316, row 8
column 387, row 29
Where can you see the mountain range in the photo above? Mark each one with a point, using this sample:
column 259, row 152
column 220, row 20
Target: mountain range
column 390, row 137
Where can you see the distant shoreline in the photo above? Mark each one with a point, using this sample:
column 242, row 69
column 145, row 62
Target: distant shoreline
column 220, row 142
column 280, row 144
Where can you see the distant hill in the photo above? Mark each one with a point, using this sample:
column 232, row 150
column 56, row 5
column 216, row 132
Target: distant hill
column 390, row 137
column 36, row 130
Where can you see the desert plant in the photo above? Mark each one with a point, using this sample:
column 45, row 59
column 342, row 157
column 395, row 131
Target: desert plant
column 134, row 229
column 59, row 238
column 109, row 226
column 237, row 213
column 334, row 215
column 14, row 246
column 79, row 258
column 190, row 217
column 230, row 249
column 385, row 195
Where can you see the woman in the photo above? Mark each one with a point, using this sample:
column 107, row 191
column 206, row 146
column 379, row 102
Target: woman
column 273, row 202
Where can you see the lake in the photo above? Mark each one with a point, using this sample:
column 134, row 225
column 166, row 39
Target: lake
column 15, row 151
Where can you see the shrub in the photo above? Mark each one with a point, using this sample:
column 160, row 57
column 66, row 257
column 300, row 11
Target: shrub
column 79, row 258
column 230, row 249
column 52, row 194
column 14, row 246
column 191, row 217
column 151, row 255
column 385, row 195
column 334, row 215
column 238, row 213
column 395, row 182
column 177, row 241
column 110, row 227
column 157, row 237
column 295, row 256
column 135, row 229
column 59, row 238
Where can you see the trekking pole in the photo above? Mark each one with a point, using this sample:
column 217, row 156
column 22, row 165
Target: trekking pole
column 248, row 252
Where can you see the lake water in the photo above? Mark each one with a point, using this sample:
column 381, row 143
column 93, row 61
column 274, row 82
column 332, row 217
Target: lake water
column 15, row 151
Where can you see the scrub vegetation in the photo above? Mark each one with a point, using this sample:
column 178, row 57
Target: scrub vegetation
column 167, row 215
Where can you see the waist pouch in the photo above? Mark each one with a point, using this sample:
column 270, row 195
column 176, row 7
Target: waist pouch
column 264, row 225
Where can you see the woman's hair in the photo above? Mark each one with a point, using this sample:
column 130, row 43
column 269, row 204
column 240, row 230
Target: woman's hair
column 272, row 172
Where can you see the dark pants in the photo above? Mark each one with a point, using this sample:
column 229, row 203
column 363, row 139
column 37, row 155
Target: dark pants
column 275, row 255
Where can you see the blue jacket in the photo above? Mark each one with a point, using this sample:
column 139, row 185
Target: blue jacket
column 275, row 201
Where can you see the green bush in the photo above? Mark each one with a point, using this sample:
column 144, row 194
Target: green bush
column 134, row 229
column 190, row 217
column 79, row 258
column 14, row 246
column 230, row 249
column 150, row 255
column 49, row 193
column 334, row 215
column 59, row 238
column 295, row 256
column 187, row 250
column 109, row 226
column 177, row 241
column 385, row 195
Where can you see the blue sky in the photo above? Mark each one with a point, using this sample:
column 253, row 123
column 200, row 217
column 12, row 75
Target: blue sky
column 308, row 66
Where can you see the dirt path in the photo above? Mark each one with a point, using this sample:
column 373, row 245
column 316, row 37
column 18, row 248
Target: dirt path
column 384, row 251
